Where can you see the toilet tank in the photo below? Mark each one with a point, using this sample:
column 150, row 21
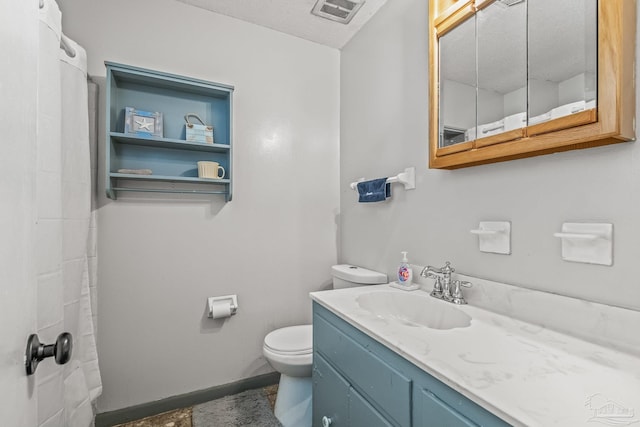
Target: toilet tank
column 349, row 276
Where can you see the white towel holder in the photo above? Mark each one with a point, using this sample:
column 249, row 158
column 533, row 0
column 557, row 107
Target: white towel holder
column 584, row 236
column 494, row 237
column 591, row 243
column 485, row 232
column 407, row 178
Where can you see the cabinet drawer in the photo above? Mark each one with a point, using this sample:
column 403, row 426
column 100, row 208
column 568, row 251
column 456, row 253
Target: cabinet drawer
column 362, row 414
column 437, row 413
column 387, row 389
column 330, row 395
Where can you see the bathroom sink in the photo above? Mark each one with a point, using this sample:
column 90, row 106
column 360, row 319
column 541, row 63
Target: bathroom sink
column 413, row 309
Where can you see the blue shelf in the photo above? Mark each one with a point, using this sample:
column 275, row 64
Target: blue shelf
column 172, row 159
column 167, row 143
column 166, row 178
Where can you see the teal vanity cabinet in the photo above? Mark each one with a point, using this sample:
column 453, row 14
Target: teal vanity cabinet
column 359, row 382
column 170, row 161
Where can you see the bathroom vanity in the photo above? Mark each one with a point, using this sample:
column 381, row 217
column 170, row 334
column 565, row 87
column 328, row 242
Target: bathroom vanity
column 386, row 357
column 359, row 382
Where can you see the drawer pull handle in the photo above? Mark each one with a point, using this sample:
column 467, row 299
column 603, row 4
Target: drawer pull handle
column 326, row 421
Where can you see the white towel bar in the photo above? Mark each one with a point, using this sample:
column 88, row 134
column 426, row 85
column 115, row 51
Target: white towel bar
column 591, row 243
column 486, row 232
column 585, row 236
column 407, row 178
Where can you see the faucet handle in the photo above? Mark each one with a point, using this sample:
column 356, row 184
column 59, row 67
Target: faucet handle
column 456, row 292
column 437, row 291
column 447, row 269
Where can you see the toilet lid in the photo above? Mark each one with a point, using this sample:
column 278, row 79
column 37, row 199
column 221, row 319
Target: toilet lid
column 359, row 275
column 291, row 340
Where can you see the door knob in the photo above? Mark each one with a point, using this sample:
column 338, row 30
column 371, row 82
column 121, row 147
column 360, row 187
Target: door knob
column 36, row 351
column 326, row 421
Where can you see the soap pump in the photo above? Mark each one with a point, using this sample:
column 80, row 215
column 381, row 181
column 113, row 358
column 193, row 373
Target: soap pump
column 405, row 275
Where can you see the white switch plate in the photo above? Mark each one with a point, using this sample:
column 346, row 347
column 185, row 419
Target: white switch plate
column 494, row 237
column 590, row 243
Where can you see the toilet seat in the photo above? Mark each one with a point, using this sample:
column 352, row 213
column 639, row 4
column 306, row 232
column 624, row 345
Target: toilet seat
column 292, row 340
column 290, row 350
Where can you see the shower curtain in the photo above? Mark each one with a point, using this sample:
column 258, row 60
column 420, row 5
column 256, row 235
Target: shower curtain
column 64, row 202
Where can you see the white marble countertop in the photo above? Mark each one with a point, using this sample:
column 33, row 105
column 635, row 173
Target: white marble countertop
column 525, row 373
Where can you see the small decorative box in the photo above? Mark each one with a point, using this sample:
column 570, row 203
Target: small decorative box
column 145, row 123
column 198, row 132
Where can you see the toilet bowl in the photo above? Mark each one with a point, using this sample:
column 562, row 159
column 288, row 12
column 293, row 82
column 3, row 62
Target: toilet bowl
column 290, row 351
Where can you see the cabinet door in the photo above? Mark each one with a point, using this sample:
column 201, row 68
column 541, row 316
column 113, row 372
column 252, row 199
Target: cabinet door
column 436, row 413
column 458, row 89
column 502, row 73
column 362, row 414
column 378, row 380
column 563, row 63
column 330, row 395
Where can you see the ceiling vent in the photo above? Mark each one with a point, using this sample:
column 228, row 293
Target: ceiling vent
column 337, row 10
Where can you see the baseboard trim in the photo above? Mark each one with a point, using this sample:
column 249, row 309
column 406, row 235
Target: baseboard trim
column 108, row 419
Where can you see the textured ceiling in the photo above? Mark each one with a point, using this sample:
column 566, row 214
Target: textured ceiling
column 292, row 17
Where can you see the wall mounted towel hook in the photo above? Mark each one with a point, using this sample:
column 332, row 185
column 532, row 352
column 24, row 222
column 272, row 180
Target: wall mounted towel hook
column 486, row 232
column 591, row 243
column 577, row 236
column 494, row 237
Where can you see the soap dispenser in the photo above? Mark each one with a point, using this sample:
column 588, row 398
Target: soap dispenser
column 405, row 275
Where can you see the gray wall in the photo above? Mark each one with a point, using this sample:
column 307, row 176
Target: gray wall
column 160, row 259
column 384, row 128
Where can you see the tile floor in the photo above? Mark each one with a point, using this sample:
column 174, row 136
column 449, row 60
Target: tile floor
column 177, row 418
column 271, row 393
column 182, row 417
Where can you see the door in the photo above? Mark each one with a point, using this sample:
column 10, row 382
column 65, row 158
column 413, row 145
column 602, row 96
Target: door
column 330, row 395
column 18, row 299
column 438, row 413
column 362, row 414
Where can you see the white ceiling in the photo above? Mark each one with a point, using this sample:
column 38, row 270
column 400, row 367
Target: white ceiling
column 292, row 17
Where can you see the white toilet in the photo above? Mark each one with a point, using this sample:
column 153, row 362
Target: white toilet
column 290, row 351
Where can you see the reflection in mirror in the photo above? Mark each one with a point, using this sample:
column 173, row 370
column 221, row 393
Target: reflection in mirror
column 502, row 68
column 458, row 84
column 562, row 57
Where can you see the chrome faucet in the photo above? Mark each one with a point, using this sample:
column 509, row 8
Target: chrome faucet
column 441, row 275
column 444, row 288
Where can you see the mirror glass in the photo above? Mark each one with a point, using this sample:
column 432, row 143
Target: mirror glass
column 457, row 83
column 563, row 37
column 502, row 68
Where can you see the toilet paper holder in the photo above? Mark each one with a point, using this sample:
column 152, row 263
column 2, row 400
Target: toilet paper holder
column 232, row 299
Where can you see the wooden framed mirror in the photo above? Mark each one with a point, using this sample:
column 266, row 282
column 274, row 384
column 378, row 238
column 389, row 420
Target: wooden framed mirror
column 521, row 78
